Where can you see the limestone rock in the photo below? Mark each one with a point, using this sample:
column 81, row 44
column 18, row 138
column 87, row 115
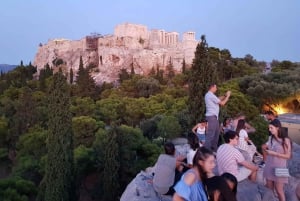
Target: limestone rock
column 130, row 45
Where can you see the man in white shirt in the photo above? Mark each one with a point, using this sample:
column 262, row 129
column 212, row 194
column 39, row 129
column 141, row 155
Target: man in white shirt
column 212, row 103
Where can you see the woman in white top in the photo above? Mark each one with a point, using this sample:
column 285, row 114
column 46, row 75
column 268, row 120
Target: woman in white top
column 199, row 129
column 244, row 142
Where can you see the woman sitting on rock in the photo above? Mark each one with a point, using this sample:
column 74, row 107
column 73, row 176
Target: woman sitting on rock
column 190, row 187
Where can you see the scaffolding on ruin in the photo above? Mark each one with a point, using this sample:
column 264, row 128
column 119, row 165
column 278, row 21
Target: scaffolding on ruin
column 92, row 41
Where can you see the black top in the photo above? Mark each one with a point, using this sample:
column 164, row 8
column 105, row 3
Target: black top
column 218, row 183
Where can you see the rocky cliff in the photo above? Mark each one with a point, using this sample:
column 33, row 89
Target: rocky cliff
column 130, row 45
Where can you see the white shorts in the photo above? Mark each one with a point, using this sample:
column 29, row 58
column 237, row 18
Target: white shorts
column 243, row 174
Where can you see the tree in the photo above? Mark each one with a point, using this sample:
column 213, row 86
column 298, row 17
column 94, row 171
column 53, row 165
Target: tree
column 149, row 127
column 168, row 127
column 111, row 167
column 71, row 75
column 132, row 72
column 202, row 74
column 124, row 75
column 85, row 84
column 183, row 70
column 170, row 70
column 59, row 165
column 147, row 87
column 24, row 117
column 44, row 74
column 84, row 128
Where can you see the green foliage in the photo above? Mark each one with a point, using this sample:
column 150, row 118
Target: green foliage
column 83, row 106
column 84, row 161
column 3, row 131
column 16, row 189
column 132, row 153
column 124, row 75
column 170, row 70
column 84, row 128
column 271, row 88
column 71, row 76
column 29, row 168
column 33, row 143
column 31, row 149
column 44, row 74
column 202, row 74
column 111, row 167
column 238, row 102
column 85, row 84
column 147, row 87
column 149, row 127
column 282, row 66
column 59, row 166
column 110, row 109
column 169, row 128
column 262, row 133
column 160, row 105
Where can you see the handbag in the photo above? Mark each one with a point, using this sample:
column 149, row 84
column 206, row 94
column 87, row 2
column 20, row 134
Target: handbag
column 282, row 172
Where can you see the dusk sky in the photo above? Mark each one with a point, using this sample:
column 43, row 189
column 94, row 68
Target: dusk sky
column 266, row 29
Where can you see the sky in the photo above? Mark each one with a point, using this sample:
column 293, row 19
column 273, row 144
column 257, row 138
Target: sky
column 265, row 29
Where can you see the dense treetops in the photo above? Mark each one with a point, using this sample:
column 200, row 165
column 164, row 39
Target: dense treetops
column 118, row 128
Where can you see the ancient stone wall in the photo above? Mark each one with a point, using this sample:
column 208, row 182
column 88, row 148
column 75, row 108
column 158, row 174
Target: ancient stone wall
column 131, row 30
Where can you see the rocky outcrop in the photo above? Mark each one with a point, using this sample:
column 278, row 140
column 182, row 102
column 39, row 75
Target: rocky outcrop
column 130, row 45
column 141, row 188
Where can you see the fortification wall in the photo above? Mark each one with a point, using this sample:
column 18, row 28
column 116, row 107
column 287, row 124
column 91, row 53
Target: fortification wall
column 131, row 30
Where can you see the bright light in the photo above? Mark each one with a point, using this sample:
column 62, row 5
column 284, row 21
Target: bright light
column 279, row 109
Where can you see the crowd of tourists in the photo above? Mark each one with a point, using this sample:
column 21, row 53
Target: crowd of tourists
column 211, row 171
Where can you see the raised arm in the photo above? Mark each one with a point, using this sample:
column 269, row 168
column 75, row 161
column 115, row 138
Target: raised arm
column 223, row 101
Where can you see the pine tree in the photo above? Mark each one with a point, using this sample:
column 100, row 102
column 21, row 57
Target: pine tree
column 183, row 67
column 111, row 167
column 132, row 73
column 170, row 70
column 59, row 166
column 202, row 74
column 85, row 84
column 71, row 75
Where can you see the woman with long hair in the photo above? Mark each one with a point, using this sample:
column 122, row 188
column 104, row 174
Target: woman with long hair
column 190, row 187
column 244, row 142
column 194, row 145
column 278, row 151
column 222, row 188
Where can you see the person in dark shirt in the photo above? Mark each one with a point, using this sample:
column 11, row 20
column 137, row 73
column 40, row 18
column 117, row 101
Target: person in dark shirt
column 222, row 188
column 271, row 117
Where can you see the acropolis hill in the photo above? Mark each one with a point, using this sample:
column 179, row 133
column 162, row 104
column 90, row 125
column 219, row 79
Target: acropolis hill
column 130, row 45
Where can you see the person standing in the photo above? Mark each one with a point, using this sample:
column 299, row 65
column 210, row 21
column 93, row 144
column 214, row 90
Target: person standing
column 200, row 130
column 278, row 151
column 271, row 117
column 212, row 104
